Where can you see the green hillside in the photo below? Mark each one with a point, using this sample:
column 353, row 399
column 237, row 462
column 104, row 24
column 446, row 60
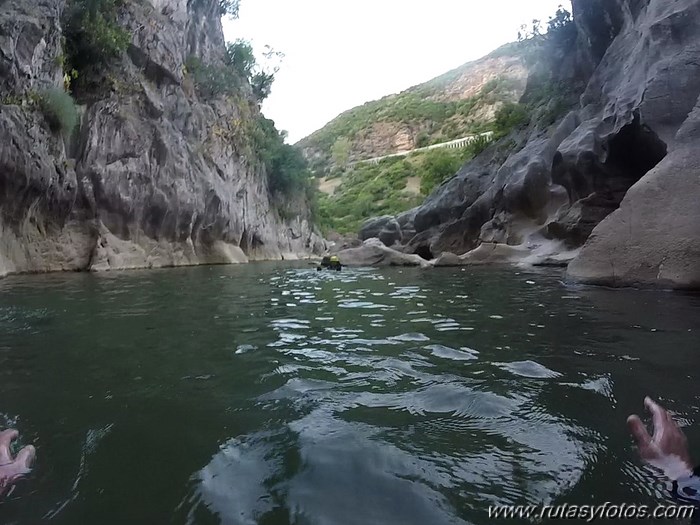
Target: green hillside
column 458, row 103
column 476, row 97
column 394, row 185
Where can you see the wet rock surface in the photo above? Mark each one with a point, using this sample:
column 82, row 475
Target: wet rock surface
column 374, row 252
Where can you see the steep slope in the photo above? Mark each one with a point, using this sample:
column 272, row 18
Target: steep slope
column 155, row 175
column 453, row 105
column 617, row 174
column 389, row 187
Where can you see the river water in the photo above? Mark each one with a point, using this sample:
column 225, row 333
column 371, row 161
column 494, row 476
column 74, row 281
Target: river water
column 274, row 394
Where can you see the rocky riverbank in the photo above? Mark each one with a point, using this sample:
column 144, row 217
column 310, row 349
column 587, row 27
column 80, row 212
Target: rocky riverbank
column 155, row 174
column 612, row 184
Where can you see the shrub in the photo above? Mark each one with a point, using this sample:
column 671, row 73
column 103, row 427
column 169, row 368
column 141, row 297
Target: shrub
column 312, row 198
column 396, row 173
column 12, row 100
column 240, row 56
column 369, row 190
column 437, row 166
column 261, row 83
column 479, row 144
column 239, row 66
column 422, row 139
column 212, row 81
column 340, row 152
column 287, row 169
column 92, row 33
column 59, row 110
column 508, row 117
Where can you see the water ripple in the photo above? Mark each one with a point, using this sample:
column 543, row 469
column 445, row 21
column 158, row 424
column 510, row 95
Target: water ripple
column 284, row 395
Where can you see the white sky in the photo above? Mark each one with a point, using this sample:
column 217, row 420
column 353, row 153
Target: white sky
column 341, row 53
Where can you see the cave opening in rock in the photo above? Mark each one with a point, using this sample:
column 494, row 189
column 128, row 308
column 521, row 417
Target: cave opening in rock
column 425, row 253
column 634, row 151
column 243, row 244
column 256, row 242
column 630, row 154
column 250, row 243
column 596, row 188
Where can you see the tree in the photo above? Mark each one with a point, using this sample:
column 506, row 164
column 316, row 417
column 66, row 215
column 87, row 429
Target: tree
column 262, row 85
column 560, row 27
column 557, row 25
column 437, row 166
column 560, row 20
column 229, row 8
column 240, row 56
column 534, row 32
column 264, row 75
column 340, row 152
column 285, row 165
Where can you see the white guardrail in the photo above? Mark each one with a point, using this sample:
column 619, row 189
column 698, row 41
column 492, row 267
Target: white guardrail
column 452, row 144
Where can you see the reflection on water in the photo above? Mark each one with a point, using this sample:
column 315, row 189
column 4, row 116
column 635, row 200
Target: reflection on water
column 273, row 394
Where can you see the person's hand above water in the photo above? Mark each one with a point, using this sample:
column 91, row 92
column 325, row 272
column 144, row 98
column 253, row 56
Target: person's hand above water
column 13, row 469
column 667, row 449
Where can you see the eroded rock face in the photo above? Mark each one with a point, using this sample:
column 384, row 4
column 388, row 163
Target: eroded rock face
column 156, row 176
column 654, row 237
column 386, row 228
column 617, row 174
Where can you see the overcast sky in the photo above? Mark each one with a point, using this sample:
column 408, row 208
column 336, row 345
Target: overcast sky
column 339, row 53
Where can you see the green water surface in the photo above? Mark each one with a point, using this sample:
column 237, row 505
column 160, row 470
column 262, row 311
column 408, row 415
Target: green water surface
column 275, row 394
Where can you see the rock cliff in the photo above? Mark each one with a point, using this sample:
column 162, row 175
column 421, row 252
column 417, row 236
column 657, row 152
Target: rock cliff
column 155, row 175
column 614, row 181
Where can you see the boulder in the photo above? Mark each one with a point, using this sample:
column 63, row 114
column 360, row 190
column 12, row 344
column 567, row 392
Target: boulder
column 448, row 259
column 386, row 228
column 339, row 242
column 373, row 252
column 405, row 220
column 486, row 253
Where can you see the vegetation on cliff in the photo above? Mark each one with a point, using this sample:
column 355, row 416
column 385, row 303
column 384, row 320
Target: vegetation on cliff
column 443, row 109
column 229, row 8
column 91, row 39
column 458, row 103
column 59, row 110
column 91, row 33
column 286, row 168
column 239, row 67
column 394, row 185
column 94, row 41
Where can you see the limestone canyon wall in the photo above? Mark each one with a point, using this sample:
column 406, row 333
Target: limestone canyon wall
column 155, row 176
column 613, row 185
